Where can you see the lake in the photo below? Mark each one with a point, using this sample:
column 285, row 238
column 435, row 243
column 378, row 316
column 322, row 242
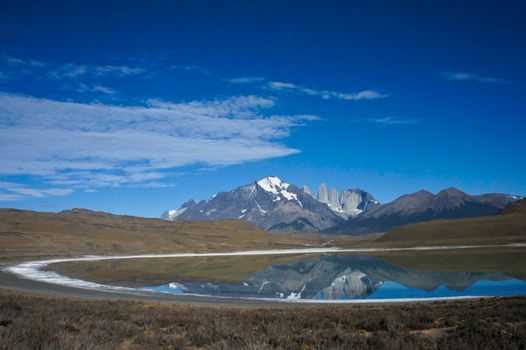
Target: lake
column 409, row 275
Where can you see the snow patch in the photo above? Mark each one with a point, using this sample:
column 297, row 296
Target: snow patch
column 288, row 195
column 172, row 214
column 272, row 184
column 278, row 188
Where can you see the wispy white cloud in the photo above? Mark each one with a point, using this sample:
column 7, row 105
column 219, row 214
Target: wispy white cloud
column 191, row 68
column 394, row 121
column 325, row 94
column 85, row 88
column 245, row 80
column 10, row 197
column 18, row 62
column 464, row 76
column 16, row 191
column 290, row 87
column 72, row 70
column 82, row 78
column 81, row 145
column 67, row 70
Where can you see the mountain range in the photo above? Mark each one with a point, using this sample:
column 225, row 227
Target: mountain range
column 450, row 203
column 273, row 204
column 268, row 203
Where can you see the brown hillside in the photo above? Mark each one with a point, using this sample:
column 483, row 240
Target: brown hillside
column 78, row 231
column 509, row 226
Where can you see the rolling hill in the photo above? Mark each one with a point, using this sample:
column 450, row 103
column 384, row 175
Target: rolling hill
column 80, row 231
column 508, row 226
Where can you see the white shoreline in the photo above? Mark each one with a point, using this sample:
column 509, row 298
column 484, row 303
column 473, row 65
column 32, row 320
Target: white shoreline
column 32, row 270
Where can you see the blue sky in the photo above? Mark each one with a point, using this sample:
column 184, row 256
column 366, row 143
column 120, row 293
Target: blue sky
column 135, row 107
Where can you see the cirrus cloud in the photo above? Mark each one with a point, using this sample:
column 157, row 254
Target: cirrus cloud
column 465, row 76
column 83, row 145
column 325, row 94
column 394, row 121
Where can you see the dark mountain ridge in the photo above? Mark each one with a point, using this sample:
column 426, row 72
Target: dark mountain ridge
column 422, row 205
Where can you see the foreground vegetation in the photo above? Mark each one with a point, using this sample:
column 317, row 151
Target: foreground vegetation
column 30, row 322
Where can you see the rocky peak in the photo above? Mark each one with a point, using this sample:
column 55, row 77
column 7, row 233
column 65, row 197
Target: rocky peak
column 322, row 194
column 334, row 202
column 349, row 202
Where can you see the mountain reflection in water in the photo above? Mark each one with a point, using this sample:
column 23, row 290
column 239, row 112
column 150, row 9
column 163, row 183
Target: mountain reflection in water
column 353, row 277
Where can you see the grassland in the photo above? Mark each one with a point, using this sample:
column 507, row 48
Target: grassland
column 26, row 234
column 30, row 322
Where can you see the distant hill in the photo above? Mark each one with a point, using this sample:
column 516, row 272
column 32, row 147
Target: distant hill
column 508, row 226
column 81, row 231
column 422, row 206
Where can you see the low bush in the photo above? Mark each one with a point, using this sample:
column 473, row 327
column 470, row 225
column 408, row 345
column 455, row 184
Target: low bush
column 31, row 322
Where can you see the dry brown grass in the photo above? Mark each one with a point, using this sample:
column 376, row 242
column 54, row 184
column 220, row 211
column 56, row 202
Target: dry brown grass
column 29, row 234
column 28, row 322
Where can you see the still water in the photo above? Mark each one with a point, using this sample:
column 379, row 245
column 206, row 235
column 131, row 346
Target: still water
column 339, row 277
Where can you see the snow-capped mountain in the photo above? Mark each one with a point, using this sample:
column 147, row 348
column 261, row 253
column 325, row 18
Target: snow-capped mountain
column 269, row 203
column 272, row 204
